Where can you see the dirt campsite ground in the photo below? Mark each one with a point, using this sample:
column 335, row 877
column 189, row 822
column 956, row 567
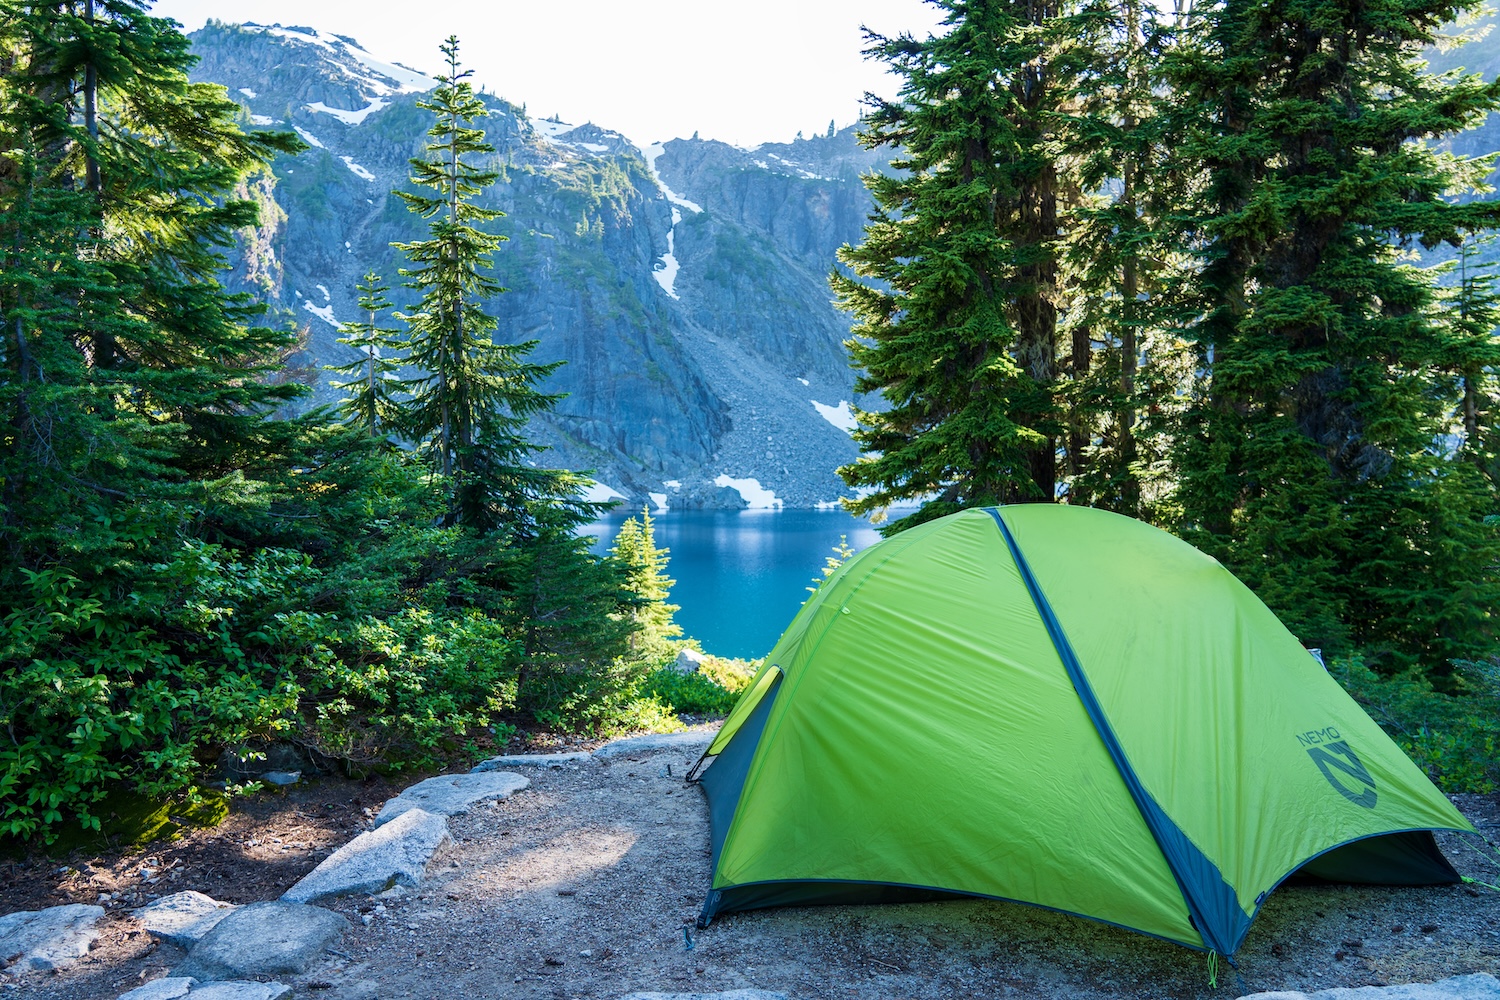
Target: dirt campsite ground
column 586, row 885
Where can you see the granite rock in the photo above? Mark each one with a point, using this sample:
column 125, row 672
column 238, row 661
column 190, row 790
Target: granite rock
column 394, row 854
column 452, row 794
column 1481, row 986
column 170, row 988
column 727, row 995
column 183, row 918
column 532, row 760
column 49, row 939
column 262, row 939
column 240, row 990
column 654, row 743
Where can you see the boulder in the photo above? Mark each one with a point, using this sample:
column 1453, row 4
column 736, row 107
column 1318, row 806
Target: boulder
column 452, row 794
column 395, row 854
column 170, row 988
column 183, row 917
column 262, row 939
column 688, row 661
column 1480, row 986
column 240, row 990
column 532, row 760
column 48, row 939
column 654, row 743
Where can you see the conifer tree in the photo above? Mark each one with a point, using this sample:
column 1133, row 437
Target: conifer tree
column 127, row 364
column 1116, row 253
column 1310, row 457
column 468, row 409
column 644, row 568
column 956, row 320
column 1472, row 309
column 370, row 403
column 132, row 396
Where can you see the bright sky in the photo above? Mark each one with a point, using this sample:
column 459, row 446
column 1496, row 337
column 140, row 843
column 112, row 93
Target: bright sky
column 652, row 69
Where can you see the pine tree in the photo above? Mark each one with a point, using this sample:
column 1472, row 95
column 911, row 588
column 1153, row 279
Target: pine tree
column 569, row 615
column 1118, row 258
column 470, row 405
column 135, row 396
column 956, row 324
column 128, row 366
column 842, row 553
column 371, row 403
column 1309, row 459
column 644, row 568
column 1472, row 309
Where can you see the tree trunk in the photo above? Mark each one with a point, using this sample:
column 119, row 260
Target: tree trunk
column 1036, row 308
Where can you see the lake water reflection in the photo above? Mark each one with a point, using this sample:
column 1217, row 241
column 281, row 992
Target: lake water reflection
column 742, row 574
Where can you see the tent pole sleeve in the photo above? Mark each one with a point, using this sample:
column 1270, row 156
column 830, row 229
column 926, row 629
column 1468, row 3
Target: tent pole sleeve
column 1212, row 903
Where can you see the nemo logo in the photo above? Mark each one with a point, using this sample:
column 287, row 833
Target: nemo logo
column 1344, row 771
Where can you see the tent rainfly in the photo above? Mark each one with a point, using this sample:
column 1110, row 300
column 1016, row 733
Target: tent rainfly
column 1058, row 706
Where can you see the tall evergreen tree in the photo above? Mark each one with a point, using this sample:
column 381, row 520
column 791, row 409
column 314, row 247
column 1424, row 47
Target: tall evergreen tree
column 470, row 405
column 128, row 365
column 1472, row 306
column 1119, row 324
column 956, row 322
column 371, row 403
column 133, row 395
column 1310, row 457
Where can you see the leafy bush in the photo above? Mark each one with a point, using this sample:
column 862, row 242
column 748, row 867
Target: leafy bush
column 329, row 610
column 711, row 690
column 1455, row 738
column 401, row 690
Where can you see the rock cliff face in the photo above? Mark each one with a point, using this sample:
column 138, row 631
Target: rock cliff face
column 684, row 284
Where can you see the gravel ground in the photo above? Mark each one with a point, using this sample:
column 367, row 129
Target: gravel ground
column 586, row 885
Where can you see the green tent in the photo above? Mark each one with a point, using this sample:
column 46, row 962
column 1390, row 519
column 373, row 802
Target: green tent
column 1058, row 706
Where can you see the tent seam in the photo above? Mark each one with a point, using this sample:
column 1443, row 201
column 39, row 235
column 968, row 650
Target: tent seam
column 1142, row 798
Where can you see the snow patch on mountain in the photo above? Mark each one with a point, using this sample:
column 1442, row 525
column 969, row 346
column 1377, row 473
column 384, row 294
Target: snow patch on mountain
column 839, row 416
column 308, row 138
column 666, row 273
column 324, row 313
column 597, row 492
column 358, row 170
column 651, row 153
column 389, row 77
column 249, row 93
column 754, row 494
column 553, row 131
column 350, row 117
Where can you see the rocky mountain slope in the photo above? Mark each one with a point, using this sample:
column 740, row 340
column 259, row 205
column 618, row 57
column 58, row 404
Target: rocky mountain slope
column 683, row 283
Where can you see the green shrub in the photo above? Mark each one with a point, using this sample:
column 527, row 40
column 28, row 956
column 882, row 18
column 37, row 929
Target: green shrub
column 401, row 691
column 711, row 690
column 1455, row 738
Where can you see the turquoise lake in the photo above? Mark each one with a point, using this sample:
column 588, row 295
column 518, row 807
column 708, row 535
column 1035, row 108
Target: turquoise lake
column 742, row 574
